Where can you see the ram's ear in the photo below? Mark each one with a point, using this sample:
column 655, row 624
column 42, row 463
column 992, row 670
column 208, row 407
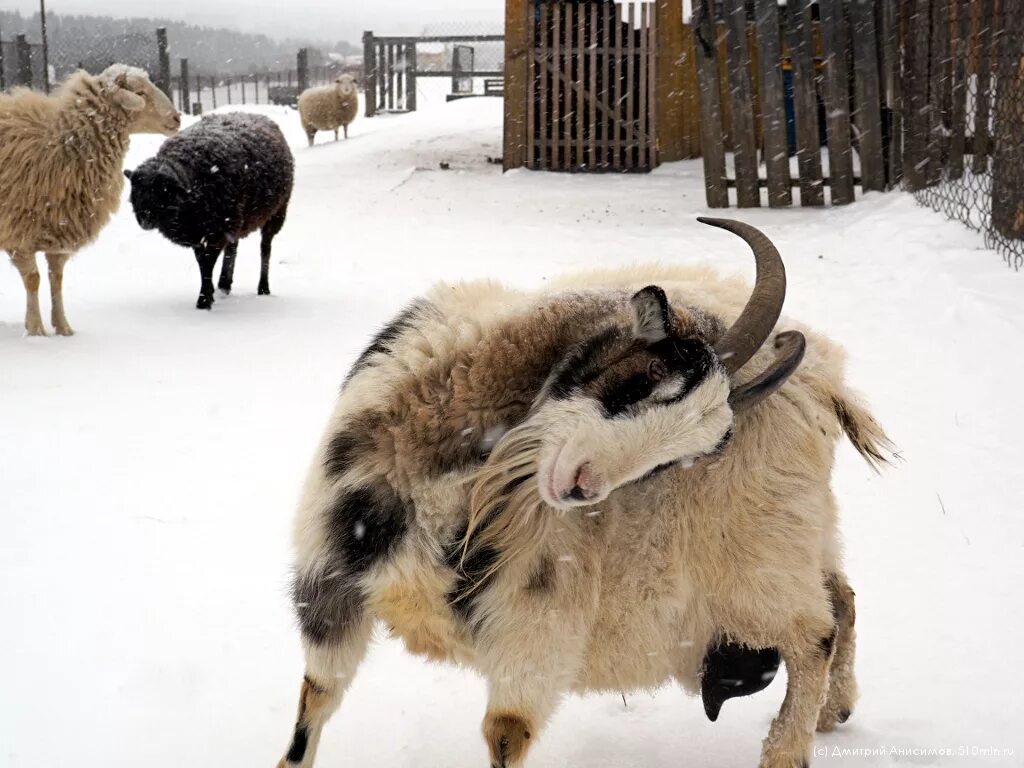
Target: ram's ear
column 652, row 315
column 128, row 174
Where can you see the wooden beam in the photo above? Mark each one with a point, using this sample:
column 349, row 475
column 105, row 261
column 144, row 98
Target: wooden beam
column 516, row 38
column 773, row 106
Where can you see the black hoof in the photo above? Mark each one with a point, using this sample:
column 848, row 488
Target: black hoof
column 263, row 290
column 225, row 289
column 204, row 302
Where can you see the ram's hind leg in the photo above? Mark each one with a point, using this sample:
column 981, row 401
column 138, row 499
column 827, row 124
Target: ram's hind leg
column 336, row 631
column 270, row 230
column 842, row 686
column 55, row 262
column 227, row 267
column 808, row 652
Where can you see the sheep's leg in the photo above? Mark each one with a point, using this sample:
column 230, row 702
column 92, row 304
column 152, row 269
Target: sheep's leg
column 56, row 262
column 227, row 268
column 310, row 133
column 842, row 686
column 269, row 231
column 335, row 134
column 206, row 257
column 532, row 659
column 808, row 653
column 336, row 631
column 26, row 264
column 346, row 131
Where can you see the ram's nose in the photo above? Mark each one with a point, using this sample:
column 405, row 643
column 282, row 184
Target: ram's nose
column 584, row 485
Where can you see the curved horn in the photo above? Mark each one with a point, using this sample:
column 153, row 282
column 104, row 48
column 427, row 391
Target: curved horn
column 789, row 348
column 755, row 323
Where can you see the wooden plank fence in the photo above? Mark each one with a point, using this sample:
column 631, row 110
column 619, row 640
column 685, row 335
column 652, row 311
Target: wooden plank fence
column 591, row 93
column 759, row 74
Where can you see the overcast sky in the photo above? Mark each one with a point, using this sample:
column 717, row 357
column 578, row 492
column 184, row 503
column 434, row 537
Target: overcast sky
column 319, row 19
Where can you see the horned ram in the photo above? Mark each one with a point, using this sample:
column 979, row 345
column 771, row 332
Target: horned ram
column 585, row 489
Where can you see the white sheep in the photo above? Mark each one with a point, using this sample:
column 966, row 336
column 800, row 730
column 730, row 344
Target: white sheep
column 329, row 107
column 60, row 170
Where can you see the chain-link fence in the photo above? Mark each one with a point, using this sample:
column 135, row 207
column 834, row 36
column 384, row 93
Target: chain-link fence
column 965, row 149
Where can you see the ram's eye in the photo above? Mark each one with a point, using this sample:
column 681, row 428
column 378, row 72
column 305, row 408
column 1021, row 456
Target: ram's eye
column 656, row 370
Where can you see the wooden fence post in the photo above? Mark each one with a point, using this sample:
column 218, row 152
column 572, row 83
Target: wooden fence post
column 3, row 79
column 773, row 105
column 837, row 101
column 185, row 97
column 979, row 163
column 213, row 90
column 1008, row 154
column 370, row 73
column 892, row 86
column 706, row 46
column 199, row 94
column 518, row 28
column 302, row 64
column 24, row 51
column 46, row 46
column 868, row 93
column 805, row 102
column 915, row 151
column 957, row 111
column 164, row 62
column 410, row 77
column 744, row 137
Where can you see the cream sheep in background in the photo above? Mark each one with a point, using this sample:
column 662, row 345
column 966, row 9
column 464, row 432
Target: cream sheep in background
column 329, row 107
column 60, row 170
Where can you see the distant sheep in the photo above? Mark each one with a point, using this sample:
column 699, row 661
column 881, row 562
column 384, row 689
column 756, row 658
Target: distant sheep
column 214, row 183
column 60, row 170
column 329, row 107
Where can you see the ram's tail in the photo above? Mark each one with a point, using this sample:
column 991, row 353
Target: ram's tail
column 864, row 432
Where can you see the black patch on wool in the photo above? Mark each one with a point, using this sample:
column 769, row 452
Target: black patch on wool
column 386, row 336
column 582, row 364
column 688, row 358
column 300, row 742
column 470, row 576
column 365, row 524
column 327, row 605
column 351, row 443
column 216, row 181
column 732, row 670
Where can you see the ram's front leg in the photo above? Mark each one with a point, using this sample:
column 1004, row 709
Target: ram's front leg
column 531, row 652
column 807, row 650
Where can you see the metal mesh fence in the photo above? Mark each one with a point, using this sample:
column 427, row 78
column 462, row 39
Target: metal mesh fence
column 973, row 163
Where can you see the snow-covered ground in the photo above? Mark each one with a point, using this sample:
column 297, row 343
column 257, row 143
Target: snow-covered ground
column 149, row 466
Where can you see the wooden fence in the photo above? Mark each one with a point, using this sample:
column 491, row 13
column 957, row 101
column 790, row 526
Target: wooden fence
column 755, row 58
column 392, row 66
column 591, row 73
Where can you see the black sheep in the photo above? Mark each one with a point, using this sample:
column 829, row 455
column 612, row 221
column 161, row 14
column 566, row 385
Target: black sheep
column 211, row 185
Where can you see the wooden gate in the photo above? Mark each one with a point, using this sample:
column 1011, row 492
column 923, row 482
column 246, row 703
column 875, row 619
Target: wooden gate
column 591, row 86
